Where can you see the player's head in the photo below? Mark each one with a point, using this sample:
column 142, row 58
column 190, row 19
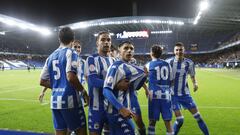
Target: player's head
column 76, row 45
column 179, row 50
column 126, row 50
column 113, row 51
column 156, row 51
column 104, row 42
column 66, row 35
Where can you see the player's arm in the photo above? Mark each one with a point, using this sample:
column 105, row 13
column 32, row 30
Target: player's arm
column 45, row 83
column 44, row 77
column 195, row 84
column 92, row 76
column 108, row 94
column 147, row 92
column 112, row 78
column 122, row 85
column 74, row 81
column 71, row 70
column 146, row 71
column 41, row 95
column 193, row 78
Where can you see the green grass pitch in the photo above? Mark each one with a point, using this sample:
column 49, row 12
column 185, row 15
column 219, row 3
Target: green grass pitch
column 218, row 100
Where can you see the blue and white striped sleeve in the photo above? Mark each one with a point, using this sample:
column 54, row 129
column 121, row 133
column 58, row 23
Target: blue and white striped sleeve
column 72, row 63
column 112, row 77
column 90, row 66
column 191, row 69
column 45, row 73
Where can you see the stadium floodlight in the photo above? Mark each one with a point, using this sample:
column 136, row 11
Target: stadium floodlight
column 23, row 25
column 203, row 5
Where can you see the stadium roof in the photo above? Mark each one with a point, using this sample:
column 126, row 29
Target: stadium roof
column 222, row 15
column 55, row 13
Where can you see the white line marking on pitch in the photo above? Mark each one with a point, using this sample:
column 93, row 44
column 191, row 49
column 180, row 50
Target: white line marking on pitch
column 25, row 100
column 29, row 88
column 211, row 107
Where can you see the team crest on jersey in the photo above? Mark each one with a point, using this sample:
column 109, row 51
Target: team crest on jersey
column 74, row 64
column 96, row 126
column 92, row 68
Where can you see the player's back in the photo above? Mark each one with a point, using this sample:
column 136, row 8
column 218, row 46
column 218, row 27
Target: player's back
column 59, row 63
column 160, row 75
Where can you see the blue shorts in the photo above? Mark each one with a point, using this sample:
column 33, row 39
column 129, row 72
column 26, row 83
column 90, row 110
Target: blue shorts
column 120, row 126
column 96, row 120
column 185, row 101
column 135, row 107
column 71, row 119
column 157, row 106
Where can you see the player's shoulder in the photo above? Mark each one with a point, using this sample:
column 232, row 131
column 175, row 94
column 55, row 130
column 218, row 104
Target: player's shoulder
column 168, row 60
column 164, row 62
column 117, row 63
column 188, row 60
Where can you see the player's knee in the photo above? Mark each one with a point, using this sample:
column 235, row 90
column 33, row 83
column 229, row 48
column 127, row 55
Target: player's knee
column 197, row 116
column 179, row 121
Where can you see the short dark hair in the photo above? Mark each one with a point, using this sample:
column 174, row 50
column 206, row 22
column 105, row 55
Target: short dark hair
column 101, row 33
column 179, row 44
column 77, row 42
column 66, row 35
column 156, row 51
column 125, row 42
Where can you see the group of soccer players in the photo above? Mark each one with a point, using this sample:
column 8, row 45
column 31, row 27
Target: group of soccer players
column 113, row 82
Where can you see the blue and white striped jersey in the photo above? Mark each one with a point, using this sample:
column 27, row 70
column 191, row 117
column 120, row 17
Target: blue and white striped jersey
column 160, row 77
column 81, row 70
column 97, row 65
column 58, row 64
column 121, row 70
column 180, row 71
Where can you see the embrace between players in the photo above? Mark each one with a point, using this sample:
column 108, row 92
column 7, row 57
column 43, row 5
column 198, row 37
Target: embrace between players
column 113, row 82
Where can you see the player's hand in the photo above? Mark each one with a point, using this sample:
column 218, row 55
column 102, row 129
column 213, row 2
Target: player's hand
column 123, row 85
column 40, row 98
column 195, row 87
column 85, row 98
column 145, row 70
column 126, row 113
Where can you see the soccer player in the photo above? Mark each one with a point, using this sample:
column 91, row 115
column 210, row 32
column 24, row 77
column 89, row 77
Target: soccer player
column 119, row 107
column 59, row 74
column 96, row 67
column 135, row 107
column 160, row 80
column 181, row 67
column 76, row 45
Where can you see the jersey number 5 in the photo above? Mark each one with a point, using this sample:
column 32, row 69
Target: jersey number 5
column 56, row 69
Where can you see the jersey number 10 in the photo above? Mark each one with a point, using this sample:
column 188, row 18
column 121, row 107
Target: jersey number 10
column 162, row 73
